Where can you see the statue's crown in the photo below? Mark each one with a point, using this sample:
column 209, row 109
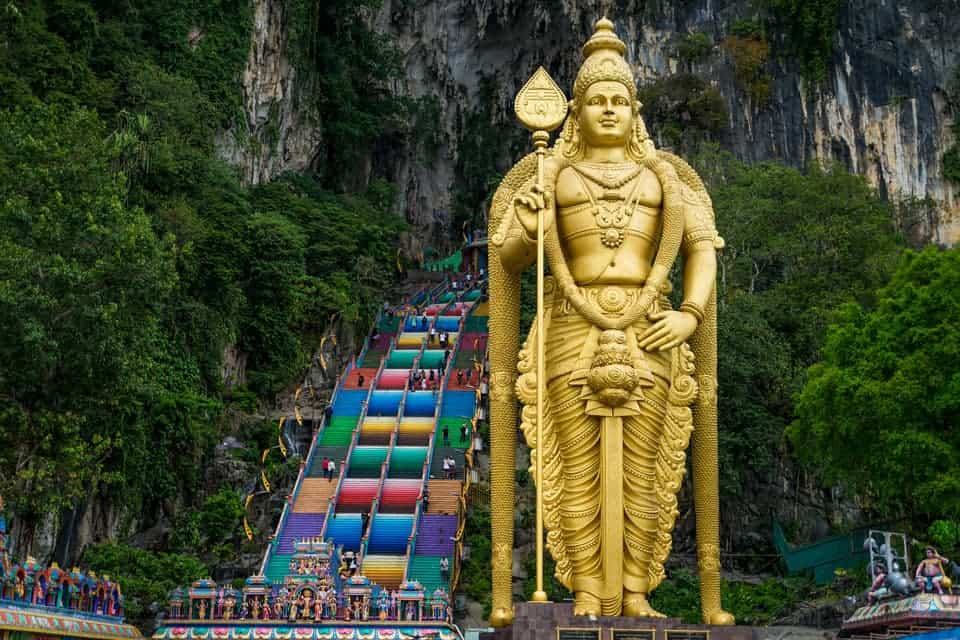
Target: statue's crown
column 604, row 60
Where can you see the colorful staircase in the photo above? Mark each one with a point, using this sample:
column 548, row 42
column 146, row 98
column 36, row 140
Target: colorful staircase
column 387, row 441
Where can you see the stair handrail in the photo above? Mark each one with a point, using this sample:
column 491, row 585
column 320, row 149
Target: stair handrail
column 354, row 441
column 383, row 470
column 382, row 366
column 412, row 539
column 332, row 502
column 366, row 339
column 365, row 536
column 275, row 541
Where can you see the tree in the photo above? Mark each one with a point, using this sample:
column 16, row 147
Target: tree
column 82, row 281
column 879, row 411
column 798, row 244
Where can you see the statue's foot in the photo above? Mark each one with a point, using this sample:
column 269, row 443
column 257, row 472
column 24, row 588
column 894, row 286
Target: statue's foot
column 718, row 617
column 636, row 605
column 501, row 617
column 586, row 604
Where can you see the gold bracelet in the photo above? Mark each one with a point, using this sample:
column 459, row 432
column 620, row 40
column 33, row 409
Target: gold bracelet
column 693, row 309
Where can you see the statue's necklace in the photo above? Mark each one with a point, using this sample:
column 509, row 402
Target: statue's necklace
column 613, row 212
column 611, row 177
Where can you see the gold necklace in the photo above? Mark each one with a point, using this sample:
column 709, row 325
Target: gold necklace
column 608, row 178
column 611, row 212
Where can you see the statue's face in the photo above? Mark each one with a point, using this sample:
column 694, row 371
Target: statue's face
column 606, row 114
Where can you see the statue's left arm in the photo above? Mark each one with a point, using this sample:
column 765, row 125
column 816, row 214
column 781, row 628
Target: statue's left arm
column 700, row 242
column 700, row 263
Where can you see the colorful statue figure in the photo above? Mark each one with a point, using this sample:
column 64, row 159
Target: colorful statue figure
column 878, row 587
column 628, row 377
column 930, row 575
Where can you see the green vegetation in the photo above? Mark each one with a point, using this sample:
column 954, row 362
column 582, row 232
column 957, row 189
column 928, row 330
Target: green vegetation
column 693, row 47
column 878, row 411
column 808, row 28
column 798, row 245
column 749, row 54
column 683, row 111
column 751, row 604
column 475, row 571
column 147, row 578
column 132, row 257
column 349, row 69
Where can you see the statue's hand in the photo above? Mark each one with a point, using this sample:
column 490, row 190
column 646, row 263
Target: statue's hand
column 528, row 203
column 670, row 329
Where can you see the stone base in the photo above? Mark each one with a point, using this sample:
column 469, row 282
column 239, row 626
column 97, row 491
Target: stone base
column 555, row 621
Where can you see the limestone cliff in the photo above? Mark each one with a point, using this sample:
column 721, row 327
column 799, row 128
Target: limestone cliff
column 882, row 108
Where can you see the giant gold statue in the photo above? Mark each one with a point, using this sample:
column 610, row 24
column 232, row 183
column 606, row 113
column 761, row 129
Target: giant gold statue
column 628, row 380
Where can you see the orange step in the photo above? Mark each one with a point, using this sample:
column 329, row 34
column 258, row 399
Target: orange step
column 444, row 496
column 314, row 496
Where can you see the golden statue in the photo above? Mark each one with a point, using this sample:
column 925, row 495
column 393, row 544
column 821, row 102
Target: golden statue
column 628, row 381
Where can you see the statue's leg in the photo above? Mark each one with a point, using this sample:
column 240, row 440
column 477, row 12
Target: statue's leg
column 641, row 437
column 579, row 439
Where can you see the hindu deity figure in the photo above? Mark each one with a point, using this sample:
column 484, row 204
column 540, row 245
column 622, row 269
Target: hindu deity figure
column 628, row 377
column 930, row 575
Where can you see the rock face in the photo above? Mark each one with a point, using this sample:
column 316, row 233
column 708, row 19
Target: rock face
column 882, row 109
column 275, row 136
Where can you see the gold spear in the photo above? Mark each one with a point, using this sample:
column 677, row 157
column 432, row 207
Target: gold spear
column 541, row 107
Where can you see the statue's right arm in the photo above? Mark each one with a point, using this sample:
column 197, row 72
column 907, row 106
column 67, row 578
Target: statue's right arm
column 519, row 250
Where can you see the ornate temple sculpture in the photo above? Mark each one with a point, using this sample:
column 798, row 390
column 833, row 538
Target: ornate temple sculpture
column 629, row 381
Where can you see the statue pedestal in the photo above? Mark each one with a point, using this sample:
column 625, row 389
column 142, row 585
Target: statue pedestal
column 555, row 621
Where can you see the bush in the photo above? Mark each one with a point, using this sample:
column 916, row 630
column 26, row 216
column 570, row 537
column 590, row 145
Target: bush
column 146, row 578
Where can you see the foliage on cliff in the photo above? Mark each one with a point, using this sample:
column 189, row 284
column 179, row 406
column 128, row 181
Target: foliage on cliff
column 130, row 257
column 879, row 411
column 798, row 244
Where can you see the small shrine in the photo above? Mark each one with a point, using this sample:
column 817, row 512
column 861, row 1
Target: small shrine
column 410, row 601
column 358, row 598
column 256, row 598
column 202, row 597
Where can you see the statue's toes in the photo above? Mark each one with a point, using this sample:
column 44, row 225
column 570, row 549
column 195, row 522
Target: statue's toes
column 720, row 617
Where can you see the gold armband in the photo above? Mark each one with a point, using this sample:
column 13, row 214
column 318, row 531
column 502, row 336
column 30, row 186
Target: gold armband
column 693, row 309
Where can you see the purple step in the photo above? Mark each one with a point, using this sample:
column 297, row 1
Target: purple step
column 299, row 526
column 434, row 538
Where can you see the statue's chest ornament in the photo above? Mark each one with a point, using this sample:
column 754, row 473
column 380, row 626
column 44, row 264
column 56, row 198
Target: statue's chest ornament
column 611, row 211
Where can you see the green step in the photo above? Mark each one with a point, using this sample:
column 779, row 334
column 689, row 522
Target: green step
column 402, row 358
column 464, row 360
column 407, row 462
column 390, row 324
column 278, row 567
column 426, row 571
column 371, row 360
column 336, row 435
column 365, row 462
column 454, row 425
column 475, row 324
column 340, row 421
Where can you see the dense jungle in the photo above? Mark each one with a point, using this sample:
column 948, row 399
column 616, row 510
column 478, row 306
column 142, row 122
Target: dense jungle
column 203, row 205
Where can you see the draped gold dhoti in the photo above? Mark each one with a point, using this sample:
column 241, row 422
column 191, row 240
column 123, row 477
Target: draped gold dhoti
column 611, row 473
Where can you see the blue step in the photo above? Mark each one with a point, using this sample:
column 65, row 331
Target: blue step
column 344, row 529
column 390, row 533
